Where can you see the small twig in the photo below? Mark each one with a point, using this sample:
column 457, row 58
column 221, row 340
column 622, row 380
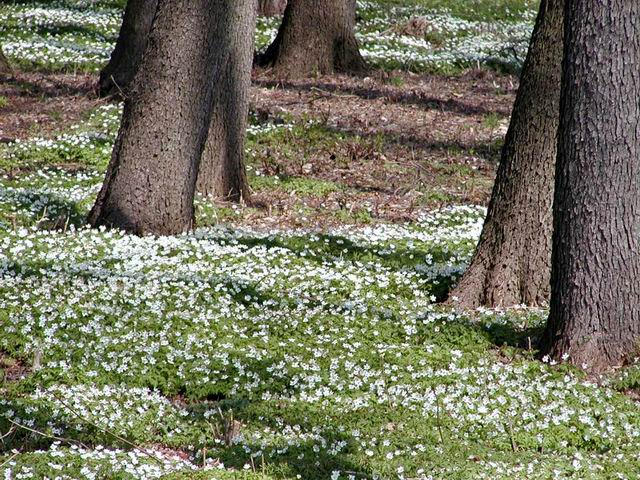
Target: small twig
column 124, row 97
column 11, row 430
column 514, row 445
column 9, row 459
column 131, row 444
column 438, row 419
column 353, row 472
column 38, row 432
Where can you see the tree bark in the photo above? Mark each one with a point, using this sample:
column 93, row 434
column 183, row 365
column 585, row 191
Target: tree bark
column 595, row 299
column 271, row 8
column 116, row 76
column 151, row 179
column 315, row 38
column 222, row 173
column 5, row 67
column 512, row 262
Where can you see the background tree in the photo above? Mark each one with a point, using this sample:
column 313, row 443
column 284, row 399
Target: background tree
column 315, row 37
column 595, row 300
column 5, row 67
column 116, row 76
column 222, row 173
column 151, row 179
column 511, row 264
column 271, row 8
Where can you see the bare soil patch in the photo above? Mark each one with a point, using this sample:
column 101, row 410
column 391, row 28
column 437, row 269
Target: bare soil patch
column 420, row 141
column 43, row 104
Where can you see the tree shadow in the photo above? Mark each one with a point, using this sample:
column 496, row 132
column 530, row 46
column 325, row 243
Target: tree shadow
column 420, row 99
column 54, row 30
column 53, row 88
column 55, row 214
column 526, row 338
column 488, row 150
column 330, row 248
column 294, row 455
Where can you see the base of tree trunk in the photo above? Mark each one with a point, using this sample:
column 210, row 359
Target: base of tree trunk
column 151, row 180
column 501, row 284
column 315, row 39
column 221, row 172
column 595, row 353
column 345, row 58
column 594, row 315
column 512, row 263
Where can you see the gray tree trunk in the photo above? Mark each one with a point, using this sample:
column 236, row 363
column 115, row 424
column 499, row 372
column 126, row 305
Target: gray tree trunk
column 271, row 8
column 116, row 76
column 151, row 179
column 512, row 262
column 315, row 38
column 595, row 299
column 222, row 173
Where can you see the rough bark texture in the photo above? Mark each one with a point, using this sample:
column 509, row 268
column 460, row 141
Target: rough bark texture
column 222, row 173
column 315, row 38
column 595, row 300
column 271, row 8
column 512, row 263
column 116, row 76
column 151, row 179
column 5, row 67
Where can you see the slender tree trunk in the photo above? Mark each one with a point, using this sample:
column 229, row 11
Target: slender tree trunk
column 512, row 262
column 116, row 76
column 595, row 300
column 5, row 67
column 315, row 37
column 222, row 173
column 271, row 8
column 151, row 179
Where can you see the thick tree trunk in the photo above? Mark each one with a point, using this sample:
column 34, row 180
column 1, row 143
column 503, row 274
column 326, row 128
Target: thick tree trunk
column 595, row 299
column 512, row 262
column 315, row 38
column 151, row 180
column 222, row 173
column 271, row 8
column 5, row 67
column 116, row 76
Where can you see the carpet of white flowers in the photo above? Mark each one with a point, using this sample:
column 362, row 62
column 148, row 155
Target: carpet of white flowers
column 79, row 35
column 270, row 354
column 229, row 353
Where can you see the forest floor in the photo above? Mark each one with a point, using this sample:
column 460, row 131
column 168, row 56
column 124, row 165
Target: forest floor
column 327, row 151
column 299, row 336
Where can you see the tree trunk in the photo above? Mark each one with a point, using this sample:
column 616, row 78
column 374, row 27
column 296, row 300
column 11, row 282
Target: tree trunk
column 222, row 173
column 315, row 38
column 512, row 262
column 116, row 76
column 151, row 179
column 5, row 67
column 595, row 299
column 271, row 8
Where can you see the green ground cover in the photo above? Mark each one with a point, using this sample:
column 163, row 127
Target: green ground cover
column 233, row 353
column 78, row 35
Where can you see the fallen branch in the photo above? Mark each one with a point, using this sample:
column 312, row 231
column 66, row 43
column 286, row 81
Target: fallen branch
column 9, row 459
column 46, row 435
column 105, row 430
